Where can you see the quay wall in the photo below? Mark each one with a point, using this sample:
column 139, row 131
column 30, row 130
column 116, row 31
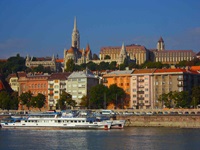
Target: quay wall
column 181, row 121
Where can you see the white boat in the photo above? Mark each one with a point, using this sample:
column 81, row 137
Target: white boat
column 56, row 120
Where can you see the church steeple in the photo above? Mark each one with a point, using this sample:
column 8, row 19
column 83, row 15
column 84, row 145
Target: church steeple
column 160, row 44
column 75, row 36
column 75, row 28
column 122, row 55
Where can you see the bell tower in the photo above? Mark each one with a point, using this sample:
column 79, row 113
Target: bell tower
column 75, row 36
column 160, row 45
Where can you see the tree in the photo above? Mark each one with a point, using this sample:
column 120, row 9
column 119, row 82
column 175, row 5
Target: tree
column 92, row 66
column 103, row 65
column 98, row 96
column 66, row 101
column 41, row 99
column 5, row 100
column 84, row 101
column 113, row 65
column 70, row 66
column 25, row 99
column 115, row 95
column 195, row 96
column 14, row 101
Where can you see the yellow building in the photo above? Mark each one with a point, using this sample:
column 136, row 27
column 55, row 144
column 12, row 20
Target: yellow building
column 121, row 79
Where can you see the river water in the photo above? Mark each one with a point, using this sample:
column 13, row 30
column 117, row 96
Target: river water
column 129, row 138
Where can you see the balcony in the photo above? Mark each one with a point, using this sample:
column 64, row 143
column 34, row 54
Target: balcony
column 140, row 80
column 140, row 92
column 140, row 98
column 140, row 86
column 62, row 83
column 181, row 85
column 51, row 93
column 181, row 79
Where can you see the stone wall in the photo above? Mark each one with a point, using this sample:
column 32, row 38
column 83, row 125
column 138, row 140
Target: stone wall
column 183, row 121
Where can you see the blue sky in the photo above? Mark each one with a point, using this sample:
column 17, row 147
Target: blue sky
column 44, row 27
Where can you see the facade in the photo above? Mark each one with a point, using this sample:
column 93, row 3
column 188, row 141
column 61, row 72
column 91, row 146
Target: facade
column 35, row 83
column 13, row 82
column 121, row 79
column 170, row 56
column 141, row 95
column 137, row 53
column 78, row 55
column 79, row 84
column 166, row 80
column 46, row 62
column 144, row 86
column 57, row 83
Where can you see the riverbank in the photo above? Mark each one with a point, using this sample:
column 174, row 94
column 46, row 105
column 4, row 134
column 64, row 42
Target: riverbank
column 183, row 121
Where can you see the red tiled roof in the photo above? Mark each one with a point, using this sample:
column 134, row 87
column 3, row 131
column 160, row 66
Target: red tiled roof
column 195, row 68
column 169, row 70
column 59, row 60
column 139, row 71
column 60, row 76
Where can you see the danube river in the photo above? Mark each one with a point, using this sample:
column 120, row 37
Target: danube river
column 129, row 138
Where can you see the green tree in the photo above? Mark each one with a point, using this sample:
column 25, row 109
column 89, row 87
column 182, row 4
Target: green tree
column 115, row 95
column 41, row 99
column 25, row 99
column 70, row 66
column 98, row 96
column 5, row 100
column 92, row 66
column 66, row 101
column 181, row 99
column 112, row 65
column 84, row 101
column 14, row 101
column 164, row 100
column 195, row 96
column 103, row 65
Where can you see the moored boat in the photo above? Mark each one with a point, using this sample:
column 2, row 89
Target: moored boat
column 56, row 120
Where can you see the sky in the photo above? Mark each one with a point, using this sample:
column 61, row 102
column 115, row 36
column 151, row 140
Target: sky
column 41, row 28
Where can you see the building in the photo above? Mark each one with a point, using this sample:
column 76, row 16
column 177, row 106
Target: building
column 79, row 84
column 170, row 56
column 121, row 79
column 136, row 53
column 46, row 62
column 141, row 93
column 79, row 56
column 166, row 80
column 57, row 83
column 144, row 86
column 35, row 83
column 13, row 81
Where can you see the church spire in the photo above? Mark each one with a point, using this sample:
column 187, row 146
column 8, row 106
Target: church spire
column 75, row 36
column 75, row 27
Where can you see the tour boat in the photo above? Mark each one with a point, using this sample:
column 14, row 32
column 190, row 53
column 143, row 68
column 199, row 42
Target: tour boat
column 57, row 120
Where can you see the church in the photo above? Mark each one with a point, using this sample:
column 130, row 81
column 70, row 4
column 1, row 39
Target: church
column 79, row 56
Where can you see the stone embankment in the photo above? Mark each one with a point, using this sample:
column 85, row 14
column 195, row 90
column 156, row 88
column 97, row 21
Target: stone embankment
column 181, row 121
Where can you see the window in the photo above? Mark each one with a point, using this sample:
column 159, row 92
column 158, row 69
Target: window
column 146, row 95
